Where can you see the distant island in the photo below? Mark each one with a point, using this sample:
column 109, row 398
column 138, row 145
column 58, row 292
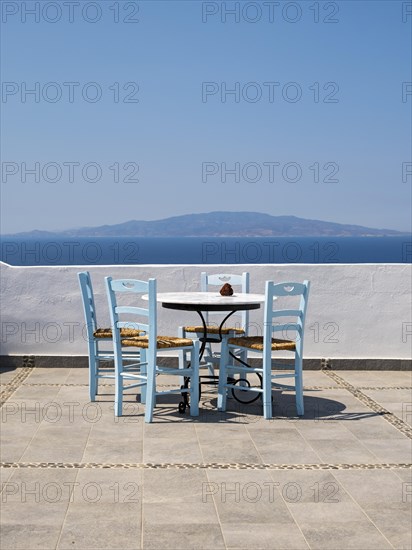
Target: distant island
column 221, row 224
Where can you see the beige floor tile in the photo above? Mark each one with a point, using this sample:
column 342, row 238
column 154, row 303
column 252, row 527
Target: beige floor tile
column 206, row 508
column 392, row 451
column 7, row 374
column 100, row 525
column 263, row 536
column 175, row 485
column 348, row 535
column 393, row 519
column 377, row 378
column 182, row 536
column 372, row 486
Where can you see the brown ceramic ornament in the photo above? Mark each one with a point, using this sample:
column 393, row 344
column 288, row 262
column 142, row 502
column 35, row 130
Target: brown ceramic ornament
column 226, row 290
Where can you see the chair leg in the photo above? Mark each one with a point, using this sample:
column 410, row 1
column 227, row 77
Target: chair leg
column 299, row 386
column 222, row 390
column 210, row 367
column 93, row 369
column 182, row 356
column 151, row 388
column 194, row 380
column 267, row 386
column 92, row 379
column 143, row 370
column 118, row 398
column 242, row 357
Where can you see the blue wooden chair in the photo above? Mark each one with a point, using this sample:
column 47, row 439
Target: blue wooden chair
column 209, row 283
column 293, row 322
column 97, row 337
column 149, row 344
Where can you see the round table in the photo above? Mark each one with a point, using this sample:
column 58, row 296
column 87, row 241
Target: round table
column 209, row 301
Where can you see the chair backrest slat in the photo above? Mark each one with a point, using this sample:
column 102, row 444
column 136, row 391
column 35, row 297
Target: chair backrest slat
column 135, row 287
column 133, row 325
column 133, row 310
column 219, row 279
column 287, row 289
column 89, row 307
column 272, row 313
column 287, row 327
column 287, row 313
column 130, row 285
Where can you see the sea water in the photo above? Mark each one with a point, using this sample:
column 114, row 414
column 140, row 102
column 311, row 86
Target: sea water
column 205, row 250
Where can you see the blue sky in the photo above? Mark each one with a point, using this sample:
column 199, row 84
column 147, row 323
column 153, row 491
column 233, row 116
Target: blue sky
column 316, row 125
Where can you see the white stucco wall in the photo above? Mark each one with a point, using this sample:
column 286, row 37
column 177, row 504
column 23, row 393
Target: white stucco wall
column 355, row 311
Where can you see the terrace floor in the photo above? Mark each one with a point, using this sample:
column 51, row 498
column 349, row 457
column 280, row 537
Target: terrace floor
column 73, row 476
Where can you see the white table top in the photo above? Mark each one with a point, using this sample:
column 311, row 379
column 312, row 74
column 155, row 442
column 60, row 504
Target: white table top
column 209, row 298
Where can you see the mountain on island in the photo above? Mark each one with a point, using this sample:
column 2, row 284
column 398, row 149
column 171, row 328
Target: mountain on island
column 221, row 224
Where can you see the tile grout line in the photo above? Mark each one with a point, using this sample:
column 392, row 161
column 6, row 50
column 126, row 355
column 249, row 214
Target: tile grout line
column 65, row 515
column 28, row 368
column 18, row 381
column 75, row 480
column 294, row 519
column 292, row 515
column 365, row 401
column 320, row 462
column 213, row 498
column 349, row 432
column 363, row 511
column 341, row 384
column 357, row 393
column 281, row 496
column 142, row 525
column 391, row 418
column 356, row 503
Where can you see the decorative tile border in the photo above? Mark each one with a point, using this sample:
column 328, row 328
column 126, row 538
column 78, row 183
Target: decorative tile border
column 61, row 385
column 200, row 466
column 17, row 380
column 70, row 385
column 312, row 364
column 396, row 422
column 308, row 388
column 380, row 388
column 28, row 367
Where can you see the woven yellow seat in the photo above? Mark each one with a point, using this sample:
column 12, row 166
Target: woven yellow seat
column 126, row 332
column 214, row 330
column 256, row 342
column 163, row 342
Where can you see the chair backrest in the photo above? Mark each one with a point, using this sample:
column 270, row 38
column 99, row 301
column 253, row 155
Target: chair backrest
column 148, row 324
column 275, row 321
column 88, row 303
column 218, row 280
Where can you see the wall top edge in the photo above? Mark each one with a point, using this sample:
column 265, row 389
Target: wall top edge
column 203, row 266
